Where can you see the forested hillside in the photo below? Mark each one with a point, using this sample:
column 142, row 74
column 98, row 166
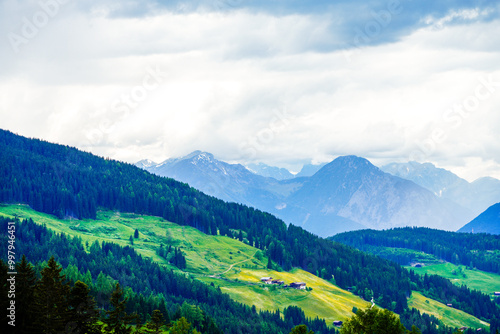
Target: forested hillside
column 100, row 266
column 69, row 183
column 481, row 251
column 63, row 181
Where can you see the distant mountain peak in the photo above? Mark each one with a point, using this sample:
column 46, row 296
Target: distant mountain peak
column 145, row 163
column 270, row 171
column 349, row 164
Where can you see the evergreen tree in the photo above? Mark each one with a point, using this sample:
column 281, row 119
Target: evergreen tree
column 51, row 302
column 373, row 320
column 4, row 301
column 25, row 286
column 118, row 320
column 182, row 326
column 156, row 323
column 269, row 264
column 84, row 313
column 301, row 329
column 136, row 234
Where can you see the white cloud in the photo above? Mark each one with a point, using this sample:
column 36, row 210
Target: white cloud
column 229, row 76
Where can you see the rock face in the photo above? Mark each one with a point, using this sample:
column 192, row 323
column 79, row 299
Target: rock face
column 486, row 222
column 347, row 194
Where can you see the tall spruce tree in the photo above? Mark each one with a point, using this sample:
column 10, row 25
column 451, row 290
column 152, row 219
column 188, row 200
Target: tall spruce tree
column 4, row 301
column 25, row 294
column 118, row 321
column 51, row 299
column 156, row 323
column 84, row 312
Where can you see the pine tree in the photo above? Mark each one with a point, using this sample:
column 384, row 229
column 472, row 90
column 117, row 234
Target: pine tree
column 118, row 320
column 25, row 286
column 269, row 264
column 156, row 323
column 51, row 302
column 84, row 313
column 136, row 234
column 182, row 326
column 4, row 302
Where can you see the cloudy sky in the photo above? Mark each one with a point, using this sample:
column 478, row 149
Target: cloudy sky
column 278, row 81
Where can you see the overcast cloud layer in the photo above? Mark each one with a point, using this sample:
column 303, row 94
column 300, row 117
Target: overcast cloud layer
column 282, row 82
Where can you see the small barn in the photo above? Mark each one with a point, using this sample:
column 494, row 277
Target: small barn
column 267, row 280
column 337, row 323
column 298, row 285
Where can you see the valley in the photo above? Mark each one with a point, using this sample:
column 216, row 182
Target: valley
column 237, row 268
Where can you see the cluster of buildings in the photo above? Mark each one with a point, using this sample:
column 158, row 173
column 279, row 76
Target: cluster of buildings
column 294, row 285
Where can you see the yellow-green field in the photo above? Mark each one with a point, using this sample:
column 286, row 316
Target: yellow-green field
column 450, row 316
column 325, row 300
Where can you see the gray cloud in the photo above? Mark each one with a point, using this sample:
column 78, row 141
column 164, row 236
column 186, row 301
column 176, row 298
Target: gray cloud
column 256, row 82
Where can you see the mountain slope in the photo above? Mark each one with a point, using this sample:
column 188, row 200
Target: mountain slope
column 486, row 222
column 475, row 196
column 354, row 189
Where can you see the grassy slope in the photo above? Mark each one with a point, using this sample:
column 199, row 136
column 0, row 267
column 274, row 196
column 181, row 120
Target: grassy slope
column 449, row 316
column 474, row 279
column 208, row 259
column 226, row 262
column 204, row 253
column 325, row 300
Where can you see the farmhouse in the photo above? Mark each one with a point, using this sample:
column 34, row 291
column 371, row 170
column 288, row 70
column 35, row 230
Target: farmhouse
column 298, row 285
column 278, row 282
column 496, row 293
column 267, row 280
column 337, row 323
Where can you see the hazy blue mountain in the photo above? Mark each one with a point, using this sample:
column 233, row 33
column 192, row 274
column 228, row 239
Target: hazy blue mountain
column 476, row 196
column 309, row 170
column 354, row 189
column 347, row 194
column 270, row 171
column 486, row 222
column 230, row 182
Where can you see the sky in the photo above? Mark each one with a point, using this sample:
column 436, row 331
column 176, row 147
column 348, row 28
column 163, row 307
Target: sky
column 281, row 82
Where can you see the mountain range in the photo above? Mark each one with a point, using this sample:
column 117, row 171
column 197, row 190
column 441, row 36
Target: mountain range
column 346, row 194
column 476, row 196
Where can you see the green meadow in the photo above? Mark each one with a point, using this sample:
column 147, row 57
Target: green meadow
column 237, row 267
column 450, row 316
column 461, row 275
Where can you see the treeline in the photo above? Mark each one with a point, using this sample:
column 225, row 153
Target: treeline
column 102, row 265
column 46, row 302
column 481, row 251
column 64, row 181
